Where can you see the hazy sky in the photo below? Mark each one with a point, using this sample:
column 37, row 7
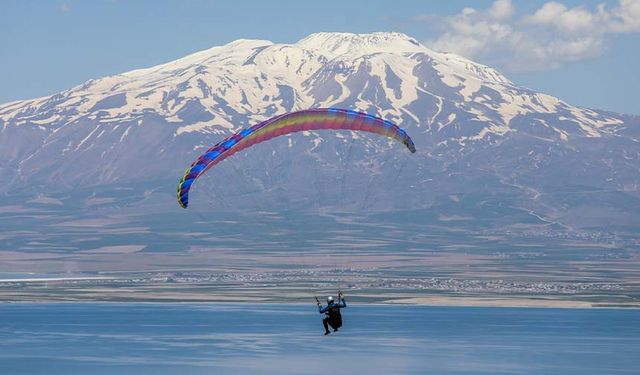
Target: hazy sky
column 585, row 53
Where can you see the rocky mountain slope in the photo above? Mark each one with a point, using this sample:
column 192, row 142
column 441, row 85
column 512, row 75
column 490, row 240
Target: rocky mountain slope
column 487, row 148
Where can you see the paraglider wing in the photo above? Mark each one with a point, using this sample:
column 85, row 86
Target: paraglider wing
column 311, row 119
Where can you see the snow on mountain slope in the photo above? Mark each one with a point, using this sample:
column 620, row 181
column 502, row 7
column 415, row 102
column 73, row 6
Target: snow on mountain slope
column 466, row 119
column 258, row 78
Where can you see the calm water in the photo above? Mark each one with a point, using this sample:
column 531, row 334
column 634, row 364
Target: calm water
column 124, row 338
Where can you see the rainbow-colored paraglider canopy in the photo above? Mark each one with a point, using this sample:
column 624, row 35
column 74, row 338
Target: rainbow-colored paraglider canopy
column 311, row 119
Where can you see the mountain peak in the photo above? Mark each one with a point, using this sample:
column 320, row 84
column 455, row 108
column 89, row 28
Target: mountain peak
column 385, row 72
column 249, row 43
column 475, row 131
column 349, row 43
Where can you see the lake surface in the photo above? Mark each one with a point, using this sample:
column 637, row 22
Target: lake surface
column 126, row 338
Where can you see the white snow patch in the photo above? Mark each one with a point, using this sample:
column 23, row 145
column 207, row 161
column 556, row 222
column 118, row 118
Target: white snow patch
column 470, row 86
column 217, row 121
column 316, row 143
column 86, row 138
column 47, row 120
column 124, row 135
column 450, row 119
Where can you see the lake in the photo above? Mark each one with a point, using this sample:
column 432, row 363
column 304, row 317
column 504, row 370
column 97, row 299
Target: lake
column 191, row 338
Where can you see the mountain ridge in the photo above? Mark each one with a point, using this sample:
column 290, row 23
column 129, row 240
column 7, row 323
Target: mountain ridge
column 247, row 50
column 472, row 126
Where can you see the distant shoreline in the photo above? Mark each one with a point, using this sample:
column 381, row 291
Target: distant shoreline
column 488, row 302
column 281, row 289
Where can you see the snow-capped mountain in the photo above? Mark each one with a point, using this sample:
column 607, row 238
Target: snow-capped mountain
column 483, row 141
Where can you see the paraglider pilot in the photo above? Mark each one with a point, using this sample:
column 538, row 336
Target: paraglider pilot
column 333, row 317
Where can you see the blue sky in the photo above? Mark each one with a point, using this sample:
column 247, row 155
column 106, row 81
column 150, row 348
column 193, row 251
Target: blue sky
column 571, row 49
